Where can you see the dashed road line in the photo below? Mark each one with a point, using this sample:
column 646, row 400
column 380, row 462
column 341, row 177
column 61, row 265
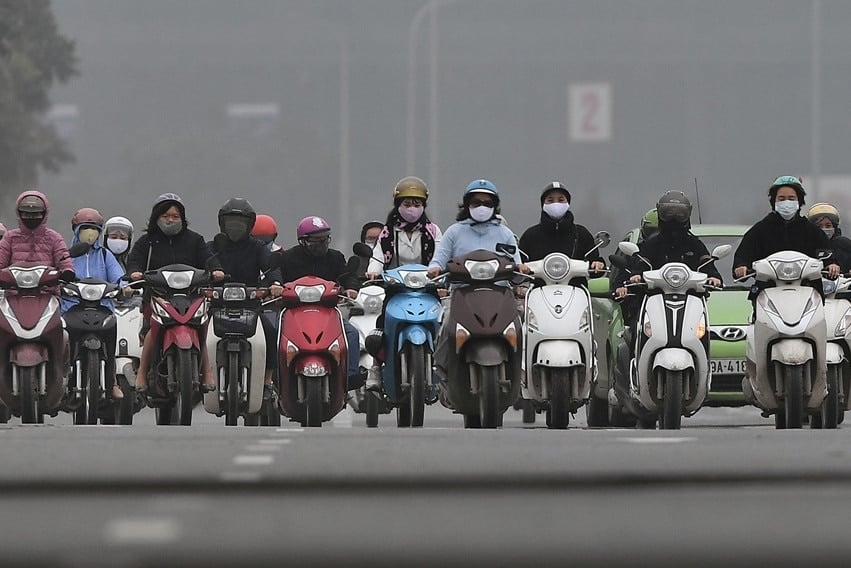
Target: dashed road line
column 254, row 459
column 141, row 531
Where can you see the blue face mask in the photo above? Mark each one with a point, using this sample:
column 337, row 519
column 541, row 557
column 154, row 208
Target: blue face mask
column 787, row 209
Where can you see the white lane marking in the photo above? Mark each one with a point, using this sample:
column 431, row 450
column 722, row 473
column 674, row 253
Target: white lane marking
column 656, row 440
column 289, row 430
column 141, row 531
column 253, row 460
column 260, row 448
column 240, row 476
column 344, row 419
column 275, row 441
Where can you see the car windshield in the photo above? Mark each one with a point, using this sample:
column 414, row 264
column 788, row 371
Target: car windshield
column 725, row 265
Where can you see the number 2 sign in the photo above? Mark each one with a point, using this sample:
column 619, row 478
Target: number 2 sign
column 590, row 112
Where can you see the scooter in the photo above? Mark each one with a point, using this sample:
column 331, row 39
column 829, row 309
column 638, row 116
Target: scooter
column 312, row 352
column 787, row 341
column 363, row 313
column 92, row 328
column 837, row 315
column 240, row 347
column 560, row 355
column 128, row 315
column 480, row 348
column 669, row 375
column 179, row 321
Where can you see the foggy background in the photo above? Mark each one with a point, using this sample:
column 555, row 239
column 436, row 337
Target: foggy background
column 295, row 104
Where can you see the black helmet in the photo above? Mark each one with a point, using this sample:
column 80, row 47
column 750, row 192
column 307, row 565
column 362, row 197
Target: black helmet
column 240, row 218
column 674, row 207
column 555, row 186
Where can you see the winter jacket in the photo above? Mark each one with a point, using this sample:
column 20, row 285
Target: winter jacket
column 841, row 251
column 559, row 235
column 296, row 262
column 245, row 260
column 675, row 246
column 97, row 263
column 41, row 245
column 155, row 250
column 773, row 234
column 466, row 236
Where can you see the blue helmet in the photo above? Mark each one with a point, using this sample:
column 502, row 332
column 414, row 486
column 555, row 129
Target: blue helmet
column 481, row 186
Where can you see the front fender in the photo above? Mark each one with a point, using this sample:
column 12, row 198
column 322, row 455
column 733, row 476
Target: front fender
column 834, row 354
column 792, row 351
column 182, row 336
column 486, row 353
column 559, row 353
column 673, row 359
column 28, row 354
column 415, row 334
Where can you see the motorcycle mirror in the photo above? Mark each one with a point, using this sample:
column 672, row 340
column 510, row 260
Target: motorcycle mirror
column 362, row 250
column 721, row 251
column 79, row 249
column 506, row 249
column 628, row 248
column 603, row 238
column 619, row 261
column 823, row 254
column 524, row 256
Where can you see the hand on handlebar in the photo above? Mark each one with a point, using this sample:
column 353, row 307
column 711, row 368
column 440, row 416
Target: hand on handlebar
column 740, row 271
column 714, row 282
column 275, row 290
column 597, row 266
column 833, row 271
column 218, row 275
column 433, row 272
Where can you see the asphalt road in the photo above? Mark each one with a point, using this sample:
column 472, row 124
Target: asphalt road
column 726, row 490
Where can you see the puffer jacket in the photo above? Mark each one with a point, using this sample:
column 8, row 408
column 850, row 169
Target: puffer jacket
column 41, row 245
column 97, row 263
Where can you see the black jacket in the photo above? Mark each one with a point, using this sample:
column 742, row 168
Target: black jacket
column 243, row 262
column 562, row 235
column 841, row 251
column 154, row 250
column 295, row 262
column 773, row 234
column 675, row 246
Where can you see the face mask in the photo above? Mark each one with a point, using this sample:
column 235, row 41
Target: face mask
column 31, row 223
column 556, row 210
column 117, row 246
column 829, row 232
column 411, row 214
column 316, row 249
column 235, row 229
column 786, row 209
column 481, row 213
column 170, row 228
column 88, row 236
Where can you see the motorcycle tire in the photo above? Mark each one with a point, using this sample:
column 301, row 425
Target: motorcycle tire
column 371, row 402
column 28, row 381
column 187, row 376
column 232, row 390
column 269, row 414
column 793, row 400
column 472, row 421
column 252, row 419
column 559, row 412
column 527, row 407
column 417, row 363
column 597, row 412
column 313, row 402
column 92, row 382
column 830, row 406
column 489, row 410
column 124, row 410
column 403, row 416
column 672, row 403
column 81, row 413
column 5, row 414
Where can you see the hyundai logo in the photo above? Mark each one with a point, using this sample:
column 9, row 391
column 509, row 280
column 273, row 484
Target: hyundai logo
column 731, row 333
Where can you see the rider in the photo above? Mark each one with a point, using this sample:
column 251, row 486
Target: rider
column 557, row 231
column 2, row 230
column 167, row 240
column 369, row 236
column 649, row 227
column 117, row 238
column 782, row 229
column 265, row 229
column 33, row 241
column 406, row 237
column 826, row 217
column 313, row 257
column 246, row 260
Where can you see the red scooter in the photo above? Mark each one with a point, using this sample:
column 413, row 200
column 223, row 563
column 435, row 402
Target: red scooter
column 312, row 363
column 179, row 321
column 33, row 346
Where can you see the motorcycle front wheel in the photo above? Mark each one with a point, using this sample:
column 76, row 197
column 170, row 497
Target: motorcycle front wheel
column 489, row 413
column 672, row 403
column 830, row 406
column 313, row 402
column 559, row 410
column 417, row 363
column 92, row 382
column 232, row 389
column 793, row 399
column 28, row 381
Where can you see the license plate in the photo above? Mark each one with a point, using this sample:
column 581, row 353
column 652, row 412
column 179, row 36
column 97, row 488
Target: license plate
column 727, row 366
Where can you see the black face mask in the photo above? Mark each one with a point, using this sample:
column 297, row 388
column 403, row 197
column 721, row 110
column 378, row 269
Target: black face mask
column 236, row 228
column 316, row 249
column 32, row 223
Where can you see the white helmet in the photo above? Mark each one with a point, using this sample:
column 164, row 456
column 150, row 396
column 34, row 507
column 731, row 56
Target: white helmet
column 122, row 223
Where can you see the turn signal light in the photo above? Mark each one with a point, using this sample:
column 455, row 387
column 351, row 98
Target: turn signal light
column 461, row 337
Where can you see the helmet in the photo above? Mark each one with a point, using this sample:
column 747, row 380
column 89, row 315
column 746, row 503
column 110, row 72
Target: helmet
column 481, row 186
column 87, row 216
column 168, row 197
column 238, row 206
column 32, row 204
column 264, row 225
column 118, row 223
column 555, row 186
column 827, row 210
column 410, row 187
column 787, row 181
column 312, row 226
column 649, row 223
column 674, row 207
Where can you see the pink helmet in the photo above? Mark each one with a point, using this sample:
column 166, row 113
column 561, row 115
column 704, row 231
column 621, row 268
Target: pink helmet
column 312, row 226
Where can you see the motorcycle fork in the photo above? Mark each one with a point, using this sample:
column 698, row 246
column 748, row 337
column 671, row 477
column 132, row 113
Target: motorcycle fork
column 660, row 385
column 42, row 380
column 474, row 379
column 326, row 391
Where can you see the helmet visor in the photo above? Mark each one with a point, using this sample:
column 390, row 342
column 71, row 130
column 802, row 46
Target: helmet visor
column 674, row 213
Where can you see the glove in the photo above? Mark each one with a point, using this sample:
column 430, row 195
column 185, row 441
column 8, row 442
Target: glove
column 68, row 276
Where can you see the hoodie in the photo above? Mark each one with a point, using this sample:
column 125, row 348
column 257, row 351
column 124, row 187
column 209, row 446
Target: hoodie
column 41, row 245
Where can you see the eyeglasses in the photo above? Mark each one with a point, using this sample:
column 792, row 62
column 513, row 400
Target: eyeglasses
column 480, row 203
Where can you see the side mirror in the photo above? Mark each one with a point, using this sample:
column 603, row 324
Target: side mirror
column 79, row 249
column 721, row 251
column 619, row 261
column 628, row 248
column 506, row 249
column 603, row 238
column 362, row 250
column 823, row 254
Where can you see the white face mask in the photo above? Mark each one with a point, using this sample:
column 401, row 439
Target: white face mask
column 829, row 232
column 117, row 246
column 786, row 209
column 481, row 213
column 557, row 209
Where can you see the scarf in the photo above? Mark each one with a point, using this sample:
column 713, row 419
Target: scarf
column 387, row 238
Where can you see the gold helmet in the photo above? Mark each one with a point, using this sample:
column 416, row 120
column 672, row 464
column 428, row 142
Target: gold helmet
column 827, row 210
column 410, row 187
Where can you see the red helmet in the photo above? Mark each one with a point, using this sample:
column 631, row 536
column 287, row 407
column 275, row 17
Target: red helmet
column 264, row 226
column 87, row 216
column 312, row 226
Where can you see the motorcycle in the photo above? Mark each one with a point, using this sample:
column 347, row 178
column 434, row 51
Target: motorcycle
column 128, row 315
column 363, row 313
column 669, row 375
column 92, row 328
column 312, row 374
column 480, row 349
column 837, row 315
column 239, row 345
column 559, row 351
column 787, row 341
column 179, row 321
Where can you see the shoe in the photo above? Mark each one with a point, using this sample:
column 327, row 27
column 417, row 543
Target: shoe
column 205, row 388
column 268, row 392
column 355, row 381
column 373, row 379
column 141, row 389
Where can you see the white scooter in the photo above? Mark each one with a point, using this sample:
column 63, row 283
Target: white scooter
column 559, row 356
column 837, row 315
column 128, row 349
column 786, row 343
column 669, row 376
column 363, row 313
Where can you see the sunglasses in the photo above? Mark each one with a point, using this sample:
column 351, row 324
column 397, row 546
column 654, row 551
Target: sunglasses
column 480, row 203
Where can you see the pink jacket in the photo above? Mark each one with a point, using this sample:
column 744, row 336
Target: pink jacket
column 41, row 245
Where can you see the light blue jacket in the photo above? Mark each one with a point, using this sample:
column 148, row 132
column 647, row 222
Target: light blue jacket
column 98, row 263
column 466, row 236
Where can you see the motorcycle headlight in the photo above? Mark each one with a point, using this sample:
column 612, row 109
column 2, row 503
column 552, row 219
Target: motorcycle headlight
column 92, row 292
column 27, row 277
column 675, row 276
column 788, row 270
column 556, row 266
column 233, row 294
column 481, row 270
column 372, row 305
column 310, row 294
column 178, row 280
column 414, row 279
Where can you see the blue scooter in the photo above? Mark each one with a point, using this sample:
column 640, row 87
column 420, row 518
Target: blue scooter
column 411, row 322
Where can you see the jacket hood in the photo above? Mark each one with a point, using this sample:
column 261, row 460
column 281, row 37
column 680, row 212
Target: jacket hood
column 76, row 238
column 41, row 196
